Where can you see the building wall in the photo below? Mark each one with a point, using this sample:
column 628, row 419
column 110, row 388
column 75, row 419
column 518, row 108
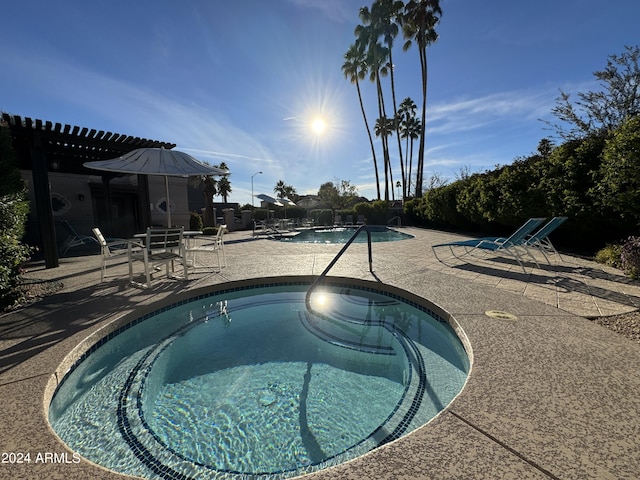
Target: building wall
column 79, row 199
column 177, row 198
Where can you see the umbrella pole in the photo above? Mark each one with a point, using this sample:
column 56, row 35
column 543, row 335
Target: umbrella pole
column 166, row 199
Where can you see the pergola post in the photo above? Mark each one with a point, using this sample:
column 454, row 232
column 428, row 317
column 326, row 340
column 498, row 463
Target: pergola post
column 44, row 210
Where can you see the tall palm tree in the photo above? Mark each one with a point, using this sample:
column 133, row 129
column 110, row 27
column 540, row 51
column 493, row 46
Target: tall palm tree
column 407, row 123
column 418, row 25
column 355, row 69
column 388, row 16
column 384, row 128
column 377, row 57
column 413, row 130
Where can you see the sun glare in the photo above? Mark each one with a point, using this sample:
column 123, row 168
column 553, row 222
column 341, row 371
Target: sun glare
column 318, row 125
column 320, row 301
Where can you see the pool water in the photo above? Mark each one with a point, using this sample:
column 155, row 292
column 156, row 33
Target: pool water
column 343, row 234
column 250, row 382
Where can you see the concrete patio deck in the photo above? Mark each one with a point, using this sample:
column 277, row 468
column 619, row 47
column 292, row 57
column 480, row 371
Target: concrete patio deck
column 549, row 395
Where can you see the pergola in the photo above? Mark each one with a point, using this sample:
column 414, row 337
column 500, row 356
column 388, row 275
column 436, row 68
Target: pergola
column 44, row 146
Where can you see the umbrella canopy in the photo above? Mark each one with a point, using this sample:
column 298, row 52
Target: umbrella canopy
column 268, row 199
column 286, row 201
column 158, row 161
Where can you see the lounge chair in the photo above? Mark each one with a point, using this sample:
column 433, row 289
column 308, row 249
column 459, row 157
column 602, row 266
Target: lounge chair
column 109, row 248
column 540, row 240
column 161, row 246
column 349, row 220
column 360, row 220
column 338, row 221
column 511, row 245
column 75, row 239
column 217, row 246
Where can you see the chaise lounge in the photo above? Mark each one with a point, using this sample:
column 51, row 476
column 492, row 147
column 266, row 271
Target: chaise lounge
column 513, row 245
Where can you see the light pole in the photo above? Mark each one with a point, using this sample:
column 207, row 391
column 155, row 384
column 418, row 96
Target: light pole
column 253, row 220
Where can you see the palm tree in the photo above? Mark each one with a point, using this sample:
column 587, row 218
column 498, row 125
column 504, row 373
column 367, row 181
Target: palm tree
column 284, row 191
column 385, row 127
column 355, row 69
column 377, row 57
column 412, row 132
column 407, row 124
column 224, row 185
column 389, row 15
column 210, row 189
column 418, row 24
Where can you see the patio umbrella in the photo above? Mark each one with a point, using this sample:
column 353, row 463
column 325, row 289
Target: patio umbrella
column 158, row 161
column 267, row 199
column 285, row 201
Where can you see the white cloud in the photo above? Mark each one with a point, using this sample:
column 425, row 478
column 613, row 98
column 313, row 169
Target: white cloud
column 336, row 10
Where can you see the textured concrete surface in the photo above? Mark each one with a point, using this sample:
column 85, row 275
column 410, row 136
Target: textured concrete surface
column 550, row 394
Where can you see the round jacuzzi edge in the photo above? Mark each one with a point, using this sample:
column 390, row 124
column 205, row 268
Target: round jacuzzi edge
column 120, row 323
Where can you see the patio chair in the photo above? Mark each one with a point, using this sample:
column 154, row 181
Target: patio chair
column 338, row 220
column 510, row 245
column 75, row 239
column 540, row 240
column 349, row 220
column 109, row 248
column 360, row 220
column 217, row 246
column 161, row 246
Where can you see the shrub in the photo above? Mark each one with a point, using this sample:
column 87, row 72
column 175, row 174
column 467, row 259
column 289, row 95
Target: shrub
column 13, row 253
column 630, row 257
column 322, row 216
column 195, row 221
column 610, row 255
column 375, row 213
column 13, row 215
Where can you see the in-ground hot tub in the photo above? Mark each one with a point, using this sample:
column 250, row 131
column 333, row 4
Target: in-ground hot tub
column 245, row 380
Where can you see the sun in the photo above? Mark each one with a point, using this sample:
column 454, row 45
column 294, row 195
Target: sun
column 318, row 125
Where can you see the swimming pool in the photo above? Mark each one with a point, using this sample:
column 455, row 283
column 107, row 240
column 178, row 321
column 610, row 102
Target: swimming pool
column 246, row 381
column 343, row 234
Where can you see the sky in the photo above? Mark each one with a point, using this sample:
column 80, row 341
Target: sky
column 241, row 82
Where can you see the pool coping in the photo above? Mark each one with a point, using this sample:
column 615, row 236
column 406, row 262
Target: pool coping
column 549, row 395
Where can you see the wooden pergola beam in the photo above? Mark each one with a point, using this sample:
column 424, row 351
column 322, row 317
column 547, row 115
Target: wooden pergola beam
column 39, row 144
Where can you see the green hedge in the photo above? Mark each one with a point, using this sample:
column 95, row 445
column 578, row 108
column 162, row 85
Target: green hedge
column 594, row 181
column 13, row 214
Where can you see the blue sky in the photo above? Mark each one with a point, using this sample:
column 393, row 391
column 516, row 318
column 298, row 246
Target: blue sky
column 240, row 81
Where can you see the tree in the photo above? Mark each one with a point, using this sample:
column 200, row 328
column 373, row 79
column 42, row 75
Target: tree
column 619, row 187
column 384, row 128
column 418, row 25
column 409, row 128
column 607, row 109
column 338, row 194
column 328, row 194
column 377, row 57
column 224, row 185
column 284, row 191
column 389, row 16
column 211, row 188
column 355, row 69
